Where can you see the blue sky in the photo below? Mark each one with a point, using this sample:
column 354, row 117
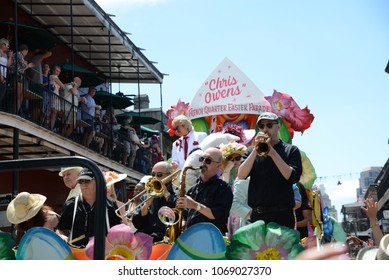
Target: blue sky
column 329, row 55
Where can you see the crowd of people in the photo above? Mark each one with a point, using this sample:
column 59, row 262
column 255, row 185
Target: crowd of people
column 236, row 186
column 60, row 106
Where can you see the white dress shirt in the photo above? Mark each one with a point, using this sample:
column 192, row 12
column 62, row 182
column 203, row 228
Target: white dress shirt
column 194, row 139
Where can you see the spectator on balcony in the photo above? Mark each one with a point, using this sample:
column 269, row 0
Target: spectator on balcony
column 35, row 75
column 155, row 150
column 45, row 116
column 72, row 98
column 108, row 122
column 18, row 72
column 55, row 85
column 89, row 108
column 142, row 159
column 130, row 142
column 5, row 62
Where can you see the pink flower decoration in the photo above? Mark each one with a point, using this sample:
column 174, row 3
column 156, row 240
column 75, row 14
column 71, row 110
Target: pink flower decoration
column 181, row 108
column 122, row 243
column 178, row 143
column 285, row 106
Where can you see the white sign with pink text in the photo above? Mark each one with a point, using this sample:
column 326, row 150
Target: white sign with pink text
column 227, row 91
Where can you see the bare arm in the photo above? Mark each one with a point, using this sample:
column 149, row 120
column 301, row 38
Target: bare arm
column 10, row 55
column 145, row 208
column 58, row 82
column 370, row 210
column 46, row 55
column 247, row 165
column 307, row 214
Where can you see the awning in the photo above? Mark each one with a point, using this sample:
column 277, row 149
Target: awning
column 136, row 118
column 33, row 36
column 105, row 98
column 88, row 78
column 94, row 35
column 150, row 132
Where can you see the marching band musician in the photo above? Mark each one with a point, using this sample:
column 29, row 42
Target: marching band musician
column 146, row 218
column 270, row 191
column 210, row 199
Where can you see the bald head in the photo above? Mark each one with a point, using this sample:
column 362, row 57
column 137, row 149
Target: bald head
column 78, row 81
column 211, row 163
column 162, row 167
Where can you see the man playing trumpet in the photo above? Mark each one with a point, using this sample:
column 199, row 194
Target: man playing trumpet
column 272, row 174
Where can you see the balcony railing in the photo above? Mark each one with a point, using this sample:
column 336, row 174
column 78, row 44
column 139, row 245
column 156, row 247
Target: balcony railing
column 38, row 104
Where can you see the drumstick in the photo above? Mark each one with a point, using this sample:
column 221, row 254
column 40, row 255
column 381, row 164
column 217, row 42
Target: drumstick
column 77, row 239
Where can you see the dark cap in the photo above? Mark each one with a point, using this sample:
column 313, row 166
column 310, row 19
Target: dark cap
column 267, row 116
column 86, row 174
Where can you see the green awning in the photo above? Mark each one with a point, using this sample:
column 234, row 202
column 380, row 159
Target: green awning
column 144, row 128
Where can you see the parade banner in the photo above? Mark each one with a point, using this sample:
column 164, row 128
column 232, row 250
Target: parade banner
column 227, row 96
column 227, row 91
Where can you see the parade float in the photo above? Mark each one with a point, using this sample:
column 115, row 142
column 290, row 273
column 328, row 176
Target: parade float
column 226, row 97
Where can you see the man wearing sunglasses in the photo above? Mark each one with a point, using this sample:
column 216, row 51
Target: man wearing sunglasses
column 189, row 138
column 211, row 198
column 270, row 191
column 146, row 218
column 77, row 221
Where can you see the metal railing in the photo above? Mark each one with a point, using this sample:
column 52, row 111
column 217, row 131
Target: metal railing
column 42, row 106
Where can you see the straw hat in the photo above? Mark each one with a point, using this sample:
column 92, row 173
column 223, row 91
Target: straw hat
column 232, row 149
column 24, row 206
column 111, row 177
column 63, row 169
column 375, row 253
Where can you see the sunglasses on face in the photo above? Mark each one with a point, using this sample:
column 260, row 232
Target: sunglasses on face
column 207, row 160
column 237, row 158
column 158, row 174
column 84, row 181
column 6, row 45
column 177, row 128
column 268, row 125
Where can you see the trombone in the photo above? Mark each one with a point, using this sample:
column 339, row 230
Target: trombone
column 153, row 187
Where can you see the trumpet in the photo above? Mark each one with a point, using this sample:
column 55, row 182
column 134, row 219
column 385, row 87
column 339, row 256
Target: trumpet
column 153, row 187
column 263, row 146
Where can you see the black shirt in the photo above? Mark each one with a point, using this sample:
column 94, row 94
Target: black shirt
column 305, row 205
column 267, row 186
column 216, row 195
column 150, row 223
column 84, row 222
